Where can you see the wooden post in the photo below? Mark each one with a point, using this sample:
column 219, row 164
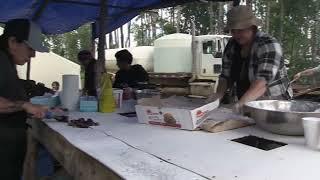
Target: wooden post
column 102, row 39
column 93, row 42
column 28, row 70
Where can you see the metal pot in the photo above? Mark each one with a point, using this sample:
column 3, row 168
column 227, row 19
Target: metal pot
column 280, row 116
column 146, row 93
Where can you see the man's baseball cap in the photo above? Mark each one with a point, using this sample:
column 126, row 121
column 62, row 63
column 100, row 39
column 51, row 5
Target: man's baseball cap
column 27, row 31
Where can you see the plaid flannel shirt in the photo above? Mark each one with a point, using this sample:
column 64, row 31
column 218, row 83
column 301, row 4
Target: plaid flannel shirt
column 265, row 63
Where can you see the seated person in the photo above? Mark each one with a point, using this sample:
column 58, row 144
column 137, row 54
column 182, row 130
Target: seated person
column 55, row 86
column 128, row 75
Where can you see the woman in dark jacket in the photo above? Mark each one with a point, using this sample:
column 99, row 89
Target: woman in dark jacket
column 18, row 43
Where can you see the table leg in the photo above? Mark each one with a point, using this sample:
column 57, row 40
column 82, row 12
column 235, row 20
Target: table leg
column 30, row 163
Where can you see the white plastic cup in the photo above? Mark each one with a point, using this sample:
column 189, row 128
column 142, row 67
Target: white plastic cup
column 311, row 126
column 117, row 94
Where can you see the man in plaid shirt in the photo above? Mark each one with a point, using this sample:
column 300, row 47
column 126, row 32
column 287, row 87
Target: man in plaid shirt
column 252, row 63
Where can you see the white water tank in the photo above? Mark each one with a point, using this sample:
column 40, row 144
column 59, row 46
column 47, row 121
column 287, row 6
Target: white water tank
column 172, row 54
column 142, row 55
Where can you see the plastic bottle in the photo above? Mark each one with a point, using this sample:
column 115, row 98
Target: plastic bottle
column 106, row 100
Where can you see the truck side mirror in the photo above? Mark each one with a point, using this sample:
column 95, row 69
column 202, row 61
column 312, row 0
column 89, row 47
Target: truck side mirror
column 217, row 54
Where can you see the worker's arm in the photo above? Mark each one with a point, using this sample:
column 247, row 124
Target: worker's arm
column 255, row 91
column 7, row 106
column 307, row 72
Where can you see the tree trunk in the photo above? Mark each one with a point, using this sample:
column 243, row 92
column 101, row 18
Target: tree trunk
column 249, row 3
column 220, row 16
column 281, row 20
column 315, row 30
column 154, row 18
column 267, row 18
column 110, row 41
column 177, row 23
column 172, row 14
column 148, row 28
column 230, row 5
column 122, row 37
column 211, row 17
column 161, row 21
column 128, row 41
column 142, row 31
column 116, row 38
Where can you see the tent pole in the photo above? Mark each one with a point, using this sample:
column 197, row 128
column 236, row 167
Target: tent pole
column 28, row 70
column 93, row 43
column 102, row 40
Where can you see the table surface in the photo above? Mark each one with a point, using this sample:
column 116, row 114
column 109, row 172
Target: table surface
column 140, row 151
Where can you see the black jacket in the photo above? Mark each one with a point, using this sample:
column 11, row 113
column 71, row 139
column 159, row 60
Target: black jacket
column 131, row 77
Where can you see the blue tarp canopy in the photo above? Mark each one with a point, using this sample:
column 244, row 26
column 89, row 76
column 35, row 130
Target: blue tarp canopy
column 60, row 16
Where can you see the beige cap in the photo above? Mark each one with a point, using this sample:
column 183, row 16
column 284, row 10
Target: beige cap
column 241, row 17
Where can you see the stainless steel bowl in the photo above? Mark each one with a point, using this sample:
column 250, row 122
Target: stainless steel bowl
column 280, row 116
column 147, row 93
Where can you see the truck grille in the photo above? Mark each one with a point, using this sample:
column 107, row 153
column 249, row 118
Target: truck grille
column 217, row 68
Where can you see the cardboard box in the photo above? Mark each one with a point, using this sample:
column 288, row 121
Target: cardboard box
column 180, row 118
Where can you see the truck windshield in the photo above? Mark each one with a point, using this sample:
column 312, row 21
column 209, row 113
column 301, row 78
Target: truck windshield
column 209, row 47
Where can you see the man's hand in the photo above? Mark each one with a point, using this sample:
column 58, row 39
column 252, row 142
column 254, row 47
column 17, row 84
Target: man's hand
column 307, row 72
column 255, row 91
column 37, row 111
column 296, row 77
column 237, row 108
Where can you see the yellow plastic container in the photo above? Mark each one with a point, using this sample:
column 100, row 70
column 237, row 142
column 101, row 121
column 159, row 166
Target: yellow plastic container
column 107, row 102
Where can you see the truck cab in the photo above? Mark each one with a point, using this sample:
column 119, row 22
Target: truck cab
column 208, row 51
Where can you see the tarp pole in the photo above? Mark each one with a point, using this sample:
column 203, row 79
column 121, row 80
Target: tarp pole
column 102, row 40
column 93, row 42
column 28, row 70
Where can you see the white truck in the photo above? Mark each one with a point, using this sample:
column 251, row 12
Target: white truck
column 180, row 63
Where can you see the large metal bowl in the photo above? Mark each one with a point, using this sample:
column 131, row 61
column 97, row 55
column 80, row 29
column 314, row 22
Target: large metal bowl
column 280, row 116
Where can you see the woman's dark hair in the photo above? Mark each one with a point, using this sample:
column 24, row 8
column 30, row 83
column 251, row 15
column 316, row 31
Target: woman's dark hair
column 4, row 43
column 124, row 56
column 18, row 28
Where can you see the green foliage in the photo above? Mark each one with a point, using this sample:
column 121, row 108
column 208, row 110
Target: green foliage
column 198, row 13
column 69, row 44
column 169, row 28
column 296, row 37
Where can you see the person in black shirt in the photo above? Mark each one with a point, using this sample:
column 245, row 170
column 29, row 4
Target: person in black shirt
column 128, row 75
column 86, row 59
column 18, row 43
